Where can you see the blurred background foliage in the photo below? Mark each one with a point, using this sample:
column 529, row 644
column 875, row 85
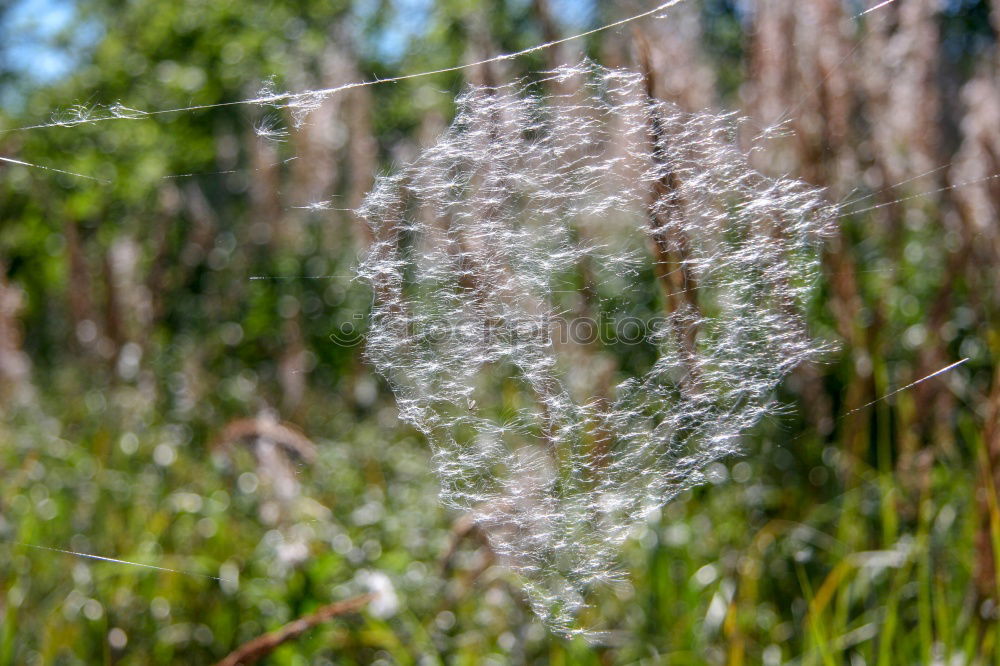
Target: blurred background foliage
column 172, row 392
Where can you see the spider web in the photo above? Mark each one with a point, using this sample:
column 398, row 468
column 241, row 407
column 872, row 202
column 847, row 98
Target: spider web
column 531, row 189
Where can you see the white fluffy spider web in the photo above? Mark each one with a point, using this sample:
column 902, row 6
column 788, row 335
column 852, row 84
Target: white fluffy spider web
column 473, row 244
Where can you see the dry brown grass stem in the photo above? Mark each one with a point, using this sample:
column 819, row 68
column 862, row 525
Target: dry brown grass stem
column 285, row 435
column 260, row 647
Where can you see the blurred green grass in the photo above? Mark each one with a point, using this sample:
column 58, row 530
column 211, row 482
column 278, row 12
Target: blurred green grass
column 757, row 567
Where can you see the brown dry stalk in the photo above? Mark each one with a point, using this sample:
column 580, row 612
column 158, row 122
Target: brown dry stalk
column 286, row 435
column 987, row 498
column 15, row 364
column 262, row 646
column 669, row 243
column 81, row 306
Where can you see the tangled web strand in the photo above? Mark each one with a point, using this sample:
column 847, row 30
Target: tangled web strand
column 472, row 244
